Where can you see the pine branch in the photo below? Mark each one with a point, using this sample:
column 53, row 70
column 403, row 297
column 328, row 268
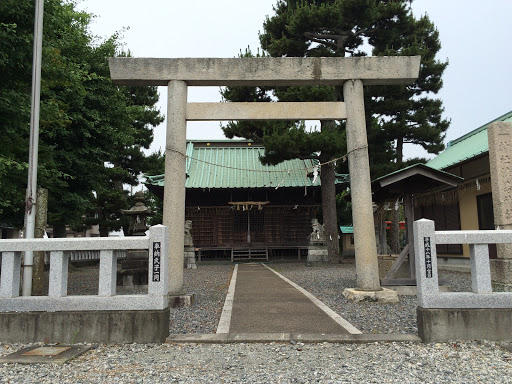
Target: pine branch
column 321, row 39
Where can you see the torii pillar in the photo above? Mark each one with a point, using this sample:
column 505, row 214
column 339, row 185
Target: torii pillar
column 360, row 189
column 351, row 73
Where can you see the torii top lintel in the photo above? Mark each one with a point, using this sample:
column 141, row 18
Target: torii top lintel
column 268, row 71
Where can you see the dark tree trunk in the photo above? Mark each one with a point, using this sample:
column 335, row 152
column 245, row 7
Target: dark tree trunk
column 399, row 151
column 327, row 178
column 328, row 188
column 118, row 185
column 103, row 231
column 59, row 230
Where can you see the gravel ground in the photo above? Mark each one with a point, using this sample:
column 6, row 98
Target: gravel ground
column 209, row 283
column 454, row 362
column 274, row 363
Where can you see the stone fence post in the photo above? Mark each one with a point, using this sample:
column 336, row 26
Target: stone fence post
column 158, row 260
column 427, row 278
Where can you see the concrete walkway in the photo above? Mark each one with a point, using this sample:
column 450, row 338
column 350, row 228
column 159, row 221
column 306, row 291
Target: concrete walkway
column 265, row 302
column 263, row 306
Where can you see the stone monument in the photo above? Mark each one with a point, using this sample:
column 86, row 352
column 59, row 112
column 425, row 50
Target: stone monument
column 317, row 248
column 500, row 162
column 189, row 251
column 134, row 269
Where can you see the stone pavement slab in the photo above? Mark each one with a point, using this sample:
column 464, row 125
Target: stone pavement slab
column 345, row 338
column 49, row 354
column 265, row 303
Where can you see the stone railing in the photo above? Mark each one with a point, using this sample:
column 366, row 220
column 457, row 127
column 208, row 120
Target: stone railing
column 482, row 296
column 58, row 300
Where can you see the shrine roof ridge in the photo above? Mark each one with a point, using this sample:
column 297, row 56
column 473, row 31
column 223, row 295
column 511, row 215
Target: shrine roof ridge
column 221, row 167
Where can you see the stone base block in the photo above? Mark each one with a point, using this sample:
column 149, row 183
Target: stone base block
column 181, row 301
column 85, row 327
column 190, row 258
column 440, row 325
column 385, row 296
column 317, row 253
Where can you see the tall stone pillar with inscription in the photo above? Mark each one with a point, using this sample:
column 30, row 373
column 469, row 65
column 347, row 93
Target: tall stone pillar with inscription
column 500, row 161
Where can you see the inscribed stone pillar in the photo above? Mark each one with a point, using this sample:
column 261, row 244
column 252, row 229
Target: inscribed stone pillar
column 500, row 162
column 174, row 191
column 367, row 267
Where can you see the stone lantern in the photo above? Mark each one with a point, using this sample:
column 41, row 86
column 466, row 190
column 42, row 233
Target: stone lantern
column 134, row 269
column 138, row 214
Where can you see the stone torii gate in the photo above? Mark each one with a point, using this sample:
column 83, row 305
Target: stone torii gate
column 351, row 73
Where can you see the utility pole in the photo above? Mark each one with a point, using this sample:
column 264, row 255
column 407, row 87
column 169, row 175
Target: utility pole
column 31, row 197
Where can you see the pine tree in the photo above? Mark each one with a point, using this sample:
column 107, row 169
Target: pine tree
column 340, row 28
column 408, row 113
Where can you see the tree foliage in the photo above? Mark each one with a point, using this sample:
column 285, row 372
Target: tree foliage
column 405, row 114
column 85, row 120
column 410, row 114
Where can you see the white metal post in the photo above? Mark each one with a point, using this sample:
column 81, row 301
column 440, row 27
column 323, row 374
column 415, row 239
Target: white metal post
column 30, row 213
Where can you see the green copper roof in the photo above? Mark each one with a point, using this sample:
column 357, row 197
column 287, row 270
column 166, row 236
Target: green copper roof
column 236, row 164
column 466, row 147
column 346, row 229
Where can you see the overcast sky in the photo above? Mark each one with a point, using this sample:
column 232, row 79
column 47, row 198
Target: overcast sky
column 475, row 37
